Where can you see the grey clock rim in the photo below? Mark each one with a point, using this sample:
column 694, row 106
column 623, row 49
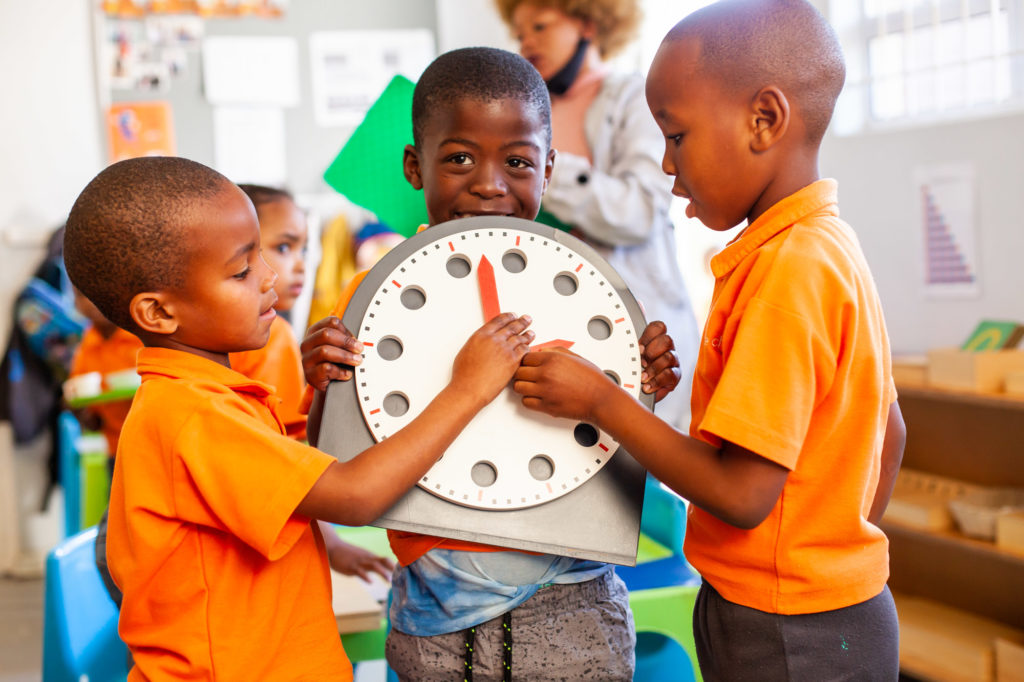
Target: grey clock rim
column 609, row 528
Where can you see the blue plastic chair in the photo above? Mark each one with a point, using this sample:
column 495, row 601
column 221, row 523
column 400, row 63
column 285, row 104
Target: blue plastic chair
column 662, row 594
column 80, row 641
column 68, row 433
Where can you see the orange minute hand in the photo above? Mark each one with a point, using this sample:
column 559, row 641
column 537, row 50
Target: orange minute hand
column 488, row 289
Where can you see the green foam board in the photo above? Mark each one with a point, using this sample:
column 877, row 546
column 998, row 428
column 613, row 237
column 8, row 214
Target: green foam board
column 368, row 169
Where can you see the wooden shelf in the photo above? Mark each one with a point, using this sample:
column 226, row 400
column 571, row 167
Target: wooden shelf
column 957, row 542
column 952, row 569
column 999, row 400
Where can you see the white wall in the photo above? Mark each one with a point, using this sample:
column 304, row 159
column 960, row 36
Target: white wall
column 49, row 130
column 877, row 196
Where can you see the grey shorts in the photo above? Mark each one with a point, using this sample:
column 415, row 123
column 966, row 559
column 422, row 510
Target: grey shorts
column 859, row 642
column 582, row 631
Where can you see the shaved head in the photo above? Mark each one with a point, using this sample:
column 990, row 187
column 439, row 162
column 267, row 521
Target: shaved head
column 747, row 45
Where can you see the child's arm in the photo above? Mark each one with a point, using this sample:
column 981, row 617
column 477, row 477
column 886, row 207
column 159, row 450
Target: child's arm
column 356, row 492
column 734, row 484
column 348, row 559
column 892, row 455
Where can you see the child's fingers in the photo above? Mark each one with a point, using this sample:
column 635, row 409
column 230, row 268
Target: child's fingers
column 653, row 330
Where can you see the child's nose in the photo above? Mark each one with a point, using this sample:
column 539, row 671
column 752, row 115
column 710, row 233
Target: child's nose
column 489, row 182
column 667, row 164
column 269, row 276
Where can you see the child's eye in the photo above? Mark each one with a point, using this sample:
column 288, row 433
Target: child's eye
column 283, row 249
column 519, row 163
column 460, row 159
column 244, row 273
column 676, row 139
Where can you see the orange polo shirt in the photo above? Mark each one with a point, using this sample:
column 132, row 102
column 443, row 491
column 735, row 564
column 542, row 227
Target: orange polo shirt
column 107, row 355
column 279, row 364
column 795, row 365
column 221, row 578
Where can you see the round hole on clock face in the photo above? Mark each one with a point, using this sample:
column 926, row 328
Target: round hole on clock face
column 613, row 376
column 541, row 467
column 599, row 327
column 514, row 261
column 458, row 266
column 483, row 474
column 389, row 348
column 396, row 404
column 566, row 283
column 585, row 434
column 413, row 298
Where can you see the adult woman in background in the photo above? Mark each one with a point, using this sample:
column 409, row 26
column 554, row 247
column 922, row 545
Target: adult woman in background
column 607, row 186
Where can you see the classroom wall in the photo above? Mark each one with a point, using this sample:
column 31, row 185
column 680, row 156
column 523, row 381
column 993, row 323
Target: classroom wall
column 878, row 197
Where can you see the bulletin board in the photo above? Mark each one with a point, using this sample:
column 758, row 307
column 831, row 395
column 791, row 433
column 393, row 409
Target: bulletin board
column 308, row 148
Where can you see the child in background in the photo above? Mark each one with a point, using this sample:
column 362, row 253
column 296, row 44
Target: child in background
column 283, row 234
column 482, row 132
column 211, row 541
column 105, row 348
column 796, row 434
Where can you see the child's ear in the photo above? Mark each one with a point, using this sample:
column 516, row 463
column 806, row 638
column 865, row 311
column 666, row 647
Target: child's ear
column 153, row 313
column 411, row 167
column 549, row 165
column 770, row 110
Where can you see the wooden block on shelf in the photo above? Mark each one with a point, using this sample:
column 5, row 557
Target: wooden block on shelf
column 921, row 500
column 355, row 608
column 1009, row 661
column 982, row 371
column 910, row 370
column 1015, row 382
column 1010, row 532
column 942, row 643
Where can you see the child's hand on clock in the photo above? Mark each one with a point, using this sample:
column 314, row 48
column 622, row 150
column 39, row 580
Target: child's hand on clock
column 660, row 362
column 560, row 383
column 329, row 351
column 489, row 358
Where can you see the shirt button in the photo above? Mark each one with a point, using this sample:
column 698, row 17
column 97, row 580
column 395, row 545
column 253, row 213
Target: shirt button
column 582, row 178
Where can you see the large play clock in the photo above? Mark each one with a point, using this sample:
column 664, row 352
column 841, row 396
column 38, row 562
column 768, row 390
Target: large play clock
column 414, row 311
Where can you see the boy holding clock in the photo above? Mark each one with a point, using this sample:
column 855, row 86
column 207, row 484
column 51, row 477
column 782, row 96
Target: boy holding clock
column 211, row 539
column 796, row 434
column 482, row 131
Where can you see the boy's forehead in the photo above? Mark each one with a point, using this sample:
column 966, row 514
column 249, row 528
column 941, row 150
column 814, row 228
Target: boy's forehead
column 465, row 115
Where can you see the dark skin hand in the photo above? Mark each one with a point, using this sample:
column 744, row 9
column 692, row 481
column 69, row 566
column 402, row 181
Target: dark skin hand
column 349, row 559
column 732, row 483
column 329, row 351
column 661, row 364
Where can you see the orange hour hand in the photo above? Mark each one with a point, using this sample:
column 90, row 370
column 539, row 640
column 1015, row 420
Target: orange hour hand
column 488, row 289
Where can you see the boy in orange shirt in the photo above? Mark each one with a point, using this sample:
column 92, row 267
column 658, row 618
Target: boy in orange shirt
column 796, row 434
column 211, row 538
column 482, row 131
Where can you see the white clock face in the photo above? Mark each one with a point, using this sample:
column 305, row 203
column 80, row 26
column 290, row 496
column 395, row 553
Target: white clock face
column 425, row 308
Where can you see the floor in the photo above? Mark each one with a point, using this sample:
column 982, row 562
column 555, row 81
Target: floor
column 21, row 629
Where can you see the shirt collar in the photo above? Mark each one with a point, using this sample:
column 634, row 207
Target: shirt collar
column 816, row 197
column 177, row 364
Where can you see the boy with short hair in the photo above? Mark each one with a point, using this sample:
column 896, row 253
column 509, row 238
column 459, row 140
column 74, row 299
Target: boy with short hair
column 482, row 135
column 796, row 434
column 211, row 536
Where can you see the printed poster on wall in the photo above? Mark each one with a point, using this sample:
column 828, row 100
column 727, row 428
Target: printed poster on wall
column 946, row 195
column 350, row 69
column 140, row 129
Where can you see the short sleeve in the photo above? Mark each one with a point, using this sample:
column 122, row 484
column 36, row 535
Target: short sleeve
column 234, row 473
column 767, row 392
